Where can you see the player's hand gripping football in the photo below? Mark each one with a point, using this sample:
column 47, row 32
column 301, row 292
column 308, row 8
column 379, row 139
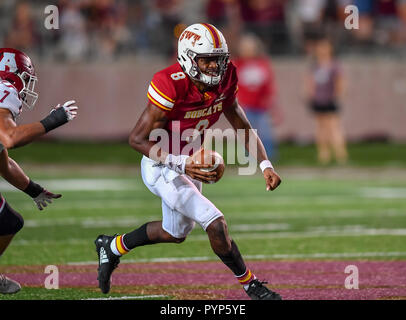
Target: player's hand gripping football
column 44, row 198
column 272, row 179
column 193, row 171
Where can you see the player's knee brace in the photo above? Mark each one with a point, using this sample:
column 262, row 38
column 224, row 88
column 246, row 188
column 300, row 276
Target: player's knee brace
column 10, row 221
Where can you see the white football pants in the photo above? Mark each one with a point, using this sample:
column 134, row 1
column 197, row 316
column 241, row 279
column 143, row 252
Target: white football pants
column 182, row 201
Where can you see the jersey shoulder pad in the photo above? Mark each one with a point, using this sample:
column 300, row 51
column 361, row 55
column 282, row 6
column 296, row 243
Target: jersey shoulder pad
column 9, row 98
column 163, row 89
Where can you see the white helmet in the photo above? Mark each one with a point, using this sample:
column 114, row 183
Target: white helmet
column 202, row 40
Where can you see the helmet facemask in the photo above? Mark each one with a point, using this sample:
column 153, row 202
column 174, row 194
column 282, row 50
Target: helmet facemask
column 198, row 75
column 27, row 94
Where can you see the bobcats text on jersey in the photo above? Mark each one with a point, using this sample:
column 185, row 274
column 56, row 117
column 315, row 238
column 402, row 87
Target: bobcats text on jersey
column 174, row 92
column 204, row 112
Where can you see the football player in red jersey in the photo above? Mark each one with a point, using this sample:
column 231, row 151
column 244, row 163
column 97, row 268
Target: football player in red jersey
column 17, row 85
column 189, row 95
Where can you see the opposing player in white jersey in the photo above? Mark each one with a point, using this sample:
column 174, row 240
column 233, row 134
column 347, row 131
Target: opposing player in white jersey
column 188, row 96
column 17, row 89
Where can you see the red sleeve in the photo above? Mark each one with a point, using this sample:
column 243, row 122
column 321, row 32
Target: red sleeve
column 161, row 91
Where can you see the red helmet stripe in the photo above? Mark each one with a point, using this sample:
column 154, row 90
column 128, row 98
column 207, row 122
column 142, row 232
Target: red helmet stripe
column 214, row 34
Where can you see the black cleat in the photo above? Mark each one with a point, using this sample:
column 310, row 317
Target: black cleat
column 108, row 261
column 8, row 286
column 257, row 291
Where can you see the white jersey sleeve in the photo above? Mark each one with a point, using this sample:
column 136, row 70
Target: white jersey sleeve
column 9, row 98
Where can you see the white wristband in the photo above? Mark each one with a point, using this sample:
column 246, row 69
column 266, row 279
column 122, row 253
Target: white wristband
column 176, row 163
column 265, row 164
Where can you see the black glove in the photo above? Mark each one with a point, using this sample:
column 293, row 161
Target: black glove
column 59, row 116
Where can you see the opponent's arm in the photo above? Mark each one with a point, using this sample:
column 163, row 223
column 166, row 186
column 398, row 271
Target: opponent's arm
column 12, row 173
column 238, row 120
column 12, row 136
column 155, row 118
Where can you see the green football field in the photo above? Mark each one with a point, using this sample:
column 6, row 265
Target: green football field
column 350, row 213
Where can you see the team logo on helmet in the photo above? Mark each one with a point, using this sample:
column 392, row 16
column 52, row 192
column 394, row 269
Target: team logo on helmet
column 8, row 62
column 17, row 68
column 188, row 35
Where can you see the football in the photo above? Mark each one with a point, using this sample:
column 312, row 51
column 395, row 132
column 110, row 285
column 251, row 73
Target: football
column 210, row 157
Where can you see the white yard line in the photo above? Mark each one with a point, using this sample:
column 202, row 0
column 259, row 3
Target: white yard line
column 324, row 255
column 93, row 205
column 320, row 232
column 123, row 221
column 339, row 232
column 128, row 221
column 384, row 193
column 259, row 227
column 80, row 185
column 303, row 214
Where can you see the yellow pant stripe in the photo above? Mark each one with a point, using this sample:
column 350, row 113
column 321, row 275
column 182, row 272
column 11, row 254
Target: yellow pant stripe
column 120, row 247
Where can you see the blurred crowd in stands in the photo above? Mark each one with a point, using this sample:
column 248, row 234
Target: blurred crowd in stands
column 109, row 29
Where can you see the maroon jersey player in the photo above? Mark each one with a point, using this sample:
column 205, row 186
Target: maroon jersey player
column 191, row 94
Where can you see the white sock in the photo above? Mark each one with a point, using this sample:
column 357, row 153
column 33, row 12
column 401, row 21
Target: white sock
column 113, row 248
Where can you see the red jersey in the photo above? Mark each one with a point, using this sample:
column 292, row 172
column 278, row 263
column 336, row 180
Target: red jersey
column 256, row 83
column 188, row 110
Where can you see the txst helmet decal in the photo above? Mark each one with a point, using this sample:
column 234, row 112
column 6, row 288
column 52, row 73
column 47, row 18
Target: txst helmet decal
column 188, row 35
column 8, row 62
